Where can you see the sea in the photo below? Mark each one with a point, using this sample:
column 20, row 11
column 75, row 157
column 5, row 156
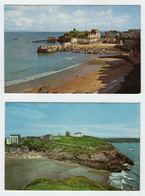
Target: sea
column 23, row 64
column 128, row 180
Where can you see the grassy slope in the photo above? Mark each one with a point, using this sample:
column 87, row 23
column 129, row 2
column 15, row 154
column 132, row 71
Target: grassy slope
column 75, row 183
column 66, row 144
column 85, row 141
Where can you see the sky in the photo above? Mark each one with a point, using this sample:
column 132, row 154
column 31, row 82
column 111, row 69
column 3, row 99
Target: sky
column 94, row 119
column 65, row 18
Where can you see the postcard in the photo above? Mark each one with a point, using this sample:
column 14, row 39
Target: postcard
column 72, row 146
column 72, row 49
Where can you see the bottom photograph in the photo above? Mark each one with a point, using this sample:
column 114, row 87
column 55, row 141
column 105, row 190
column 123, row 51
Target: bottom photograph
column 72, row 146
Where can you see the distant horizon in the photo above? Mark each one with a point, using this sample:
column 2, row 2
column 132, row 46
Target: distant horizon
column 62, row 31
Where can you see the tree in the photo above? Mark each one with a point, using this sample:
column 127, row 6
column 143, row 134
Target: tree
column 67, row 133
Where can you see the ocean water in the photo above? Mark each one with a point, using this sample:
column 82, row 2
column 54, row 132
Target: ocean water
column 23, row 63
column 128, row 180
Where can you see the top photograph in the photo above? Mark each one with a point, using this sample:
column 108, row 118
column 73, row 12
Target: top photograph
column 72, row 49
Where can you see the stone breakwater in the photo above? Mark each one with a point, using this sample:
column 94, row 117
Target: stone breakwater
column 107, row 158
column 69, row 47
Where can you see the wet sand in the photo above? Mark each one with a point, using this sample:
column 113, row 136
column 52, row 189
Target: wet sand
column 19, row 172
column 99, row 75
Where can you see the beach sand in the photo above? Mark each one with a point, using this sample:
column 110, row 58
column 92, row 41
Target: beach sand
column 42, row 167
column 98, row 75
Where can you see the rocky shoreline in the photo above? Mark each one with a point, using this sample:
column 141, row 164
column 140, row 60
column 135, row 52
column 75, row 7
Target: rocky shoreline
column 74, row 48
column 108, row 158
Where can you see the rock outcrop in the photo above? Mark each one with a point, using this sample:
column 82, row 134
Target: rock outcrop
column 108, row 158
column 49, row 49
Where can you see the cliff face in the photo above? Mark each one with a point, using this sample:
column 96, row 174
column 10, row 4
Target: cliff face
column 107, row 159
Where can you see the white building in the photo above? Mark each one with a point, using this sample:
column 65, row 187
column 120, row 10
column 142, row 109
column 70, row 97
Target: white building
column 73, row 40
column 78, row 134
column 13, row 139
column 8, row 141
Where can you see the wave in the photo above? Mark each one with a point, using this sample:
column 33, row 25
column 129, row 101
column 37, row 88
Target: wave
column 120, row 180
column 37, row 76
column 124, row 174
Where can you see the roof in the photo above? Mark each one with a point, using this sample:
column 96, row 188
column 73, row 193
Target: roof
column 15, row 135
column 94, row 30
column 78, row 133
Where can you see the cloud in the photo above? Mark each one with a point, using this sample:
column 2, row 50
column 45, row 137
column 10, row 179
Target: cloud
column 62, row 18
column 99, row 128
column 24, row 112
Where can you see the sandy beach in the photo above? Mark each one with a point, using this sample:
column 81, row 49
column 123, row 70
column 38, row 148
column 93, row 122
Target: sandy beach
column 98, row 75
column 32, row 168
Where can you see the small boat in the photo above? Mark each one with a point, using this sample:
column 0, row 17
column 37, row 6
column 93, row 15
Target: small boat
column 131, row 149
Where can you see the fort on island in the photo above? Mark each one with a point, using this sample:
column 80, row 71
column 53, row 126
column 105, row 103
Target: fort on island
column 70, row 40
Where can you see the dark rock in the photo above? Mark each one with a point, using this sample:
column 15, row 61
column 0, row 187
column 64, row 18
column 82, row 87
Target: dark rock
column 43, row 89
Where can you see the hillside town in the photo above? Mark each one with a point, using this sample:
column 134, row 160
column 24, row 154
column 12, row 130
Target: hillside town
column 72, row 41
column 94, row 35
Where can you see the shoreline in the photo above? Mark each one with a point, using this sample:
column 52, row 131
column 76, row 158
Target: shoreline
column 98, row 75
column 96, row 160
column 56, row 170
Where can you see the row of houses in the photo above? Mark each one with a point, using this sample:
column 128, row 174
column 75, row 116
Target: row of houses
column 95, row 35
column 15, row 138
column 131, row 33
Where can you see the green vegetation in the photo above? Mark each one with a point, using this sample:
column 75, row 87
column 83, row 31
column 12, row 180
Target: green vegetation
column 75, row 183
column 79, row 145
column 38, row 144
column 74, row 33
column 122, row 140
column 84, row 141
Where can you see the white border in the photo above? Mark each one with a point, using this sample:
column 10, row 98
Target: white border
column 109, row 98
